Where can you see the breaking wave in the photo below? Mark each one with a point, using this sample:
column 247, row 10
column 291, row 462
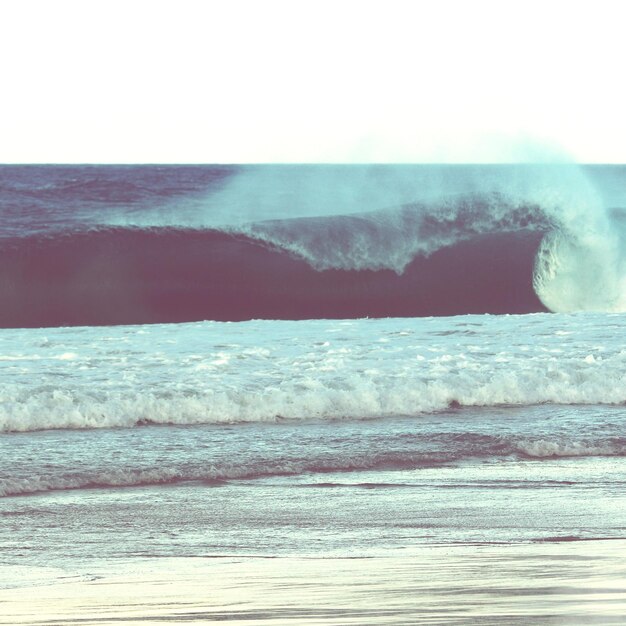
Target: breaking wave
column 544, row 242
column 326, row 394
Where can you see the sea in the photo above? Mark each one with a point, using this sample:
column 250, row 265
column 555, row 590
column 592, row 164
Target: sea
column 313, row 394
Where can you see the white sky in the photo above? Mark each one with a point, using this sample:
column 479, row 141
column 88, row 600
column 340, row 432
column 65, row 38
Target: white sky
column 311, row 80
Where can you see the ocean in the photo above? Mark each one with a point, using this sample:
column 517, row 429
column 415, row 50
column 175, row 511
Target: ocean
column 313, row 394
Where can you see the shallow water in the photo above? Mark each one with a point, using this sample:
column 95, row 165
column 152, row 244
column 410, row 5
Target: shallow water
column 527, row 541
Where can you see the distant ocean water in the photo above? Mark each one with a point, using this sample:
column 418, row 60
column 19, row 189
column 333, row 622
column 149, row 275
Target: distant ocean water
column 310, row 362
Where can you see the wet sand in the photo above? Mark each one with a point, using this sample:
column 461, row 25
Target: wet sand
column 555, row 582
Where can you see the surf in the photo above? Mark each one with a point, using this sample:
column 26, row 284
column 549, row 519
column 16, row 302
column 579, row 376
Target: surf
column 278, row 371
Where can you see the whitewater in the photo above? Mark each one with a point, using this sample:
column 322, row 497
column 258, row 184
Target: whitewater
column 212, row 372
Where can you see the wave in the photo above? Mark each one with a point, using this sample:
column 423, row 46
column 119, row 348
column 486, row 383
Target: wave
column 581, row 264
column 502, row 248
column 349, row 393
column 134, row 276
column 215, row 473
column 546, row 449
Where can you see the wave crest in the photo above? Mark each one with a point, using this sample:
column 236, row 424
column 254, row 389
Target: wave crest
column 328, row 395
column 580, row 266
column 391, row 239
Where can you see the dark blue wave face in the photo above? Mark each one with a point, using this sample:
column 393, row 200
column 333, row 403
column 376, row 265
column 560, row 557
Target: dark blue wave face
column 130, row 276
column 93, row 245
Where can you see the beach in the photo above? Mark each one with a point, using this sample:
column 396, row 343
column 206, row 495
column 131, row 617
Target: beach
column 225, row 398
column 402, row 578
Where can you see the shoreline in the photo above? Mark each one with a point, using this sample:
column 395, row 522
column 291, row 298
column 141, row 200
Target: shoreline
column 573, row 582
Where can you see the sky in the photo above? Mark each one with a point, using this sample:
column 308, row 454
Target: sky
column 236, row 81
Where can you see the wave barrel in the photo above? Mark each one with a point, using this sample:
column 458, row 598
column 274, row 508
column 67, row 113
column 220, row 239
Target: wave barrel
column 134, row 276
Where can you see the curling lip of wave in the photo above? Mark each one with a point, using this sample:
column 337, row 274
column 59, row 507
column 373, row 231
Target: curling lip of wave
column 392, row 238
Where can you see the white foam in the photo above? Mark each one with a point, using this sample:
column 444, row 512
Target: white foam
column 267, row 371
column 543, row 448
column 581, row 273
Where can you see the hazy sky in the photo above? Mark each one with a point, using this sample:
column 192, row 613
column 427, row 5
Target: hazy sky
column 299, row 80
